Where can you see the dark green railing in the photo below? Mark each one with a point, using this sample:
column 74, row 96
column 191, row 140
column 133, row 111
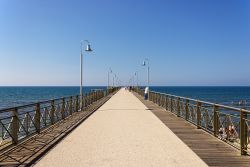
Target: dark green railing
column 224, row 122
column 21, row 122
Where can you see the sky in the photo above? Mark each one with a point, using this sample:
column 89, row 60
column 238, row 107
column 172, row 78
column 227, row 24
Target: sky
column 187, row 42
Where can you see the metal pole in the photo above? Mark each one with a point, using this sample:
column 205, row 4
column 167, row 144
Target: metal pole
column 148, row 73
column 81, row 91
column 108, row 80
column 148, row 79
column 137, row 79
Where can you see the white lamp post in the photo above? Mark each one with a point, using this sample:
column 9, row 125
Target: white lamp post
column 109, row 72
column 136, row 74
column 146, row 63
column 88, row 49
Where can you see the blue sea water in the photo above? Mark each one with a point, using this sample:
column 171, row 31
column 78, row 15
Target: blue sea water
column 16, row 96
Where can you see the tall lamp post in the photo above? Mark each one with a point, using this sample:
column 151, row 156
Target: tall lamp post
column 136, row 74
column 146, row 63
column 109, row 72
column 114, row 80
column 88, row 49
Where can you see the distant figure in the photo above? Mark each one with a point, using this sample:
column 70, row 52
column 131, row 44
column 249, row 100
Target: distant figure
column 146, row 93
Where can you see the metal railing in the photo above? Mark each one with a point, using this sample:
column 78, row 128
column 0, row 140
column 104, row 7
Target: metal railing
column 21, row 122
column 224, row 122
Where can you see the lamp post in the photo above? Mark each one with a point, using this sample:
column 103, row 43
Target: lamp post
column 146, row 63
column 114, row 80
column 88, row 49
column 136, row 74
column 109, row 72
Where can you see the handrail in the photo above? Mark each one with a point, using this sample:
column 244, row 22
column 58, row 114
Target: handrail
column 227, row 123
column 31, row 104
column 204, row 102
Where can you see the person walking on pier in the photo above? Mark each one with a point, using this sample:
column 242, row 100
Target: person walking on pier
column 146, row 93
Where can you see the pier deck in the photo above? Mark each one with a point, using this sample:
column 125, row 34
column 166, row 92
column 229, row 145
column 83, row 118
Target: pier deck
column 123, row 132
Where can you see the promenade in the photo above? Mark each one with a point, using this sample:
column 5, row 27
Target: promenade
column 123, row 132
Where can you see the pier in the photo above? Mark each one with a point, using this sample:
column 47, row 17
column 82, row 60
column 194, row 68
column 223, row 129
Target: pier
column 120, row 128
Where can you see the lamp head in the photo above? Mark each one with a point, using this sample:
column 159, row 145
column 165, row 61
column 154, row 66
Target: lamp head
column 143, row 63
column 88, row 49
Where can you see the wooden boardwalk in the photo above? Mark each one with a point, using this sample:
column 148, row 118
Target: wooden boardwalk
column 210, row 149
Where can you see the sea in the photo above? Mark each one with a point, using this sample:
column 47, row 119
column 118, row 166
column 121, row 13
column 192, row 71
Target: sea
column 230, row 96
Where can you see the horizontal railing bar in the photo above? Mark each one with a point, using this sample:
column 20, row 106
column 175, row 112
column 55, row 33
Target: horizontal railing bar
column 204, row 102
column 33, row 104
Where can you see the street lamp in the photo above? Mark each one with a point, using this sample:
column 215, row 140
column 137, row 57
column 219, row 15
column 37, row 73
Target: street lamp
column 88, row 49
column 109, row 72
column 114, row 78
column 136, row 74
column 146, row 63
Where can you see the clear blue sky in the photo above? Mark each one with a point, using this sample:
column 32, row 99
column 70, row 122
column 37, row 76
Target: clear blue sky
column 188, row 42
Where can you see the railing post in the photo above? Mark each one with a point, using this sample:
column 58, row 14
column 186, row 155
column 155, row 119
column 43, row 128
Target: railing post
column 70, row 105
column 187, row 109
column 82, row 101
column 216, row 121
column 52, row 112
column 158, row 99
column 95, row 96
column 171, row 104
column 38, row 118
column 178, row 107
column 166, row 102
column 14, row 126
column 77, row 103
column 198, row 106
column 243, row 132
column 162, row 101
column 153, row 97
column 85, row 100
column 90, row 98
column 63, row 108
column 154, row 94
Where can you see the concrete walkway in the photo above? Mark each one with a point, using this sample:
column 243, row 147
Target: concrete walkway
column 122, row 133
